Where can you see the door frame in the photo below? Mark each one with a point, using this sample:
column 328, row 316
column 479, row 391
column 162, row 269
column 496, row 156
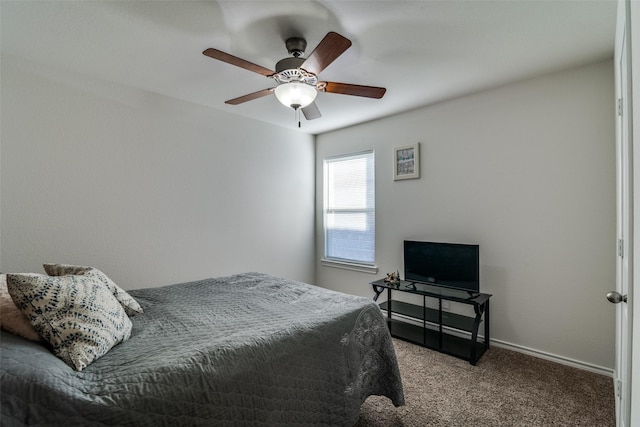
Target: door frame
column 624, row 227
column 625, row 260
column 633, row 24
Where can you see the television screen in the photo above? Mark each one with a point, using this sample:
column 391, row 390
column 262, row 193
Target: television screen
column 451, row 265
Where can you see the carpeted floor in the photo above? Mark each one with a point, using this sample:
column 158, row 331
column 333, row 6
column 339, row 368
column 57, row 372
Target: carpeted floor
column 505, row 388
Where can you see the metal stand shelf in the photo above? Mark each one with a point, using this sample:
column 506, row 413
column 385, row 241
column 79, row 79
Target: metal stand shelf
column 439, row 330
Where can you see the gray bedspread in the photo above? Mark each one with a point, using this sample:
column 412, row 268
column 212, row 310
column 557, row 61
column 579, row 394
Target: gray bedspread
column 249, row 349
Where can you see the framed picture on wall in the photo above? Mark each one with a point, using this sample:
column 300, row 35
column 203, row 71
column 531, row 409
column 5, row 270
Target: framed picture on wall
column 406, row 162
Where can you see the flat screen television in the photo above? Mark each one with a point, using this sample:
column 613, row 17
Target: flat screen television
column 451, row 265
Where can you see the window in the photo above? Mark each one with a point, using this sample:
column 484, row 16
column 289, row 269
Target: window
column 349, row 209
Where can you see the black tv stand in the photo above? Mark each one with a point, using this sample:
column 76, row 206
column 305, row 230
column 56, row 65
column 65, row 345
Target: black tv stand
column 447, row 332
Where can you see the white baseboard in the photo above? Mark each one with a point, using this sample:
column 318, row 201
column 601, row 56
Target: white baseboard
column 554, row 358
column 522, row 349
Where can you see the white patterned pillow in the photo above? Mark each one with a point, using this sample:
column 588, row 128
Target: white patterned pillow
column 130, row 305
column 77, row 315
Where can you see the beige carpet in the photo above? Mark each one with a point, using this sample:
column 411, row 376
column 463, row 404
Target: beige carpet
column 505, row 388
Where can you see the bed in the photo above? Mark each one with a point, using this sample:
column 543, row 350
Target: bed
column 248, row 349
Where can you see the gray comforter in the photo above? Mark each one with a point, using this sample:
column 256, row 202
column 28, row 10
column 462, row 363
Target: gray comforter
column 247, row 349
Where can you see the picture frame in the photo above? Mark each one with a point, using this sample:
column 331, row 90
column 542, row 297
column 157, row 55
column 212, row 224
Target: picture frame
column 406, row 162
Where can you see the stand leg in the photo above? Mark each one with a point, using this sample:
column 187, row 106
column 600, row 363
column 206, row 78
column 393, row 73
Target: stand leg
column 486, row 325
column 378, row 290
column 440, row 323
column 479, row 309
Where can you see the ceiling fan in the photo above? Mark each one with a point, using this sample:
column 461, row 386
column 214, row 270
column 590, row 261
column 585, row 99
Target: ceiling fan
column 297, row 77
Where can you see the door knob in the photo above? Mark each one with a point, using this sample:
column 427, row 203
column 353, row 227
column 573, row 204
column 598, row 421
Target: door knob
column 615, row 297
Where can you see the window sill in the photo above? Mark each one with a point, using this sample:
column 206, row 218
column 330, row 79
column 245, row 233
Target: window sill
column 371, row 269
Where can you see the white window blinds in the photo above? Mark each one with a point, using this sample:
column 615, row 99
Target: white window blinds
column 349, row 208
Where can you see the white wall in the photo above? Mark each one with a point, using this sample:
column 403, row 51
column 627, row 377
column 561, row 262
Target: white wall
column 151, row 190
column 527, row 171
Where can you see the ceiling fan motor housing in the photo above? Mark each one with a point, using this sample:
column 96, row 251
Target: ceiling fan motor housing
column 289, row 64
column 288, row 70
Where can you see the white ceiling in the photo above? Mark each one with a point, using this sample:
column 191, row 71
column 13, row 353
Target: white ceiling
column 421, row 51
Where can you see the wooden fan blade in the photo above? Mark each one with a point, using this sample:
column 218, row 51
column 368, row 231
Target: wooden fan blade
column 331, row 46
column 350, row 89
column 311, row 111
column 250, row 96
column 234, row 60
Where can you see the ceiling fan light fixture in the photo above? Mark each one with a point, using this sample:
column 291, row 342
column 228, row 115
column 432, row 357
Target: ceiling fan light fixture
column 295, row 94
column 296, row 77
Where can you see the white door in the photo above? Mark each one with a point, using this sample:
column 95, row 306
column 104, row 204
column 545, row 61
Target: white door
column 622, row 375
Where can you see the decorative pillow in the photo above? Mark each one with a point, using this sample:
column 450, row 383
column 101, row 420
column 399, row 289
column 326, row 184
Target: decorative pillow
column 77, row 315
column 130, row 305
column 11, row 319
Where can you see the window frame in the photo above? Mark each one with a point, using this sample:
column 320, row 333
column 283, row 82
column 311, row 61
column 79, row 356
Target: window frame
column 348, row 264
